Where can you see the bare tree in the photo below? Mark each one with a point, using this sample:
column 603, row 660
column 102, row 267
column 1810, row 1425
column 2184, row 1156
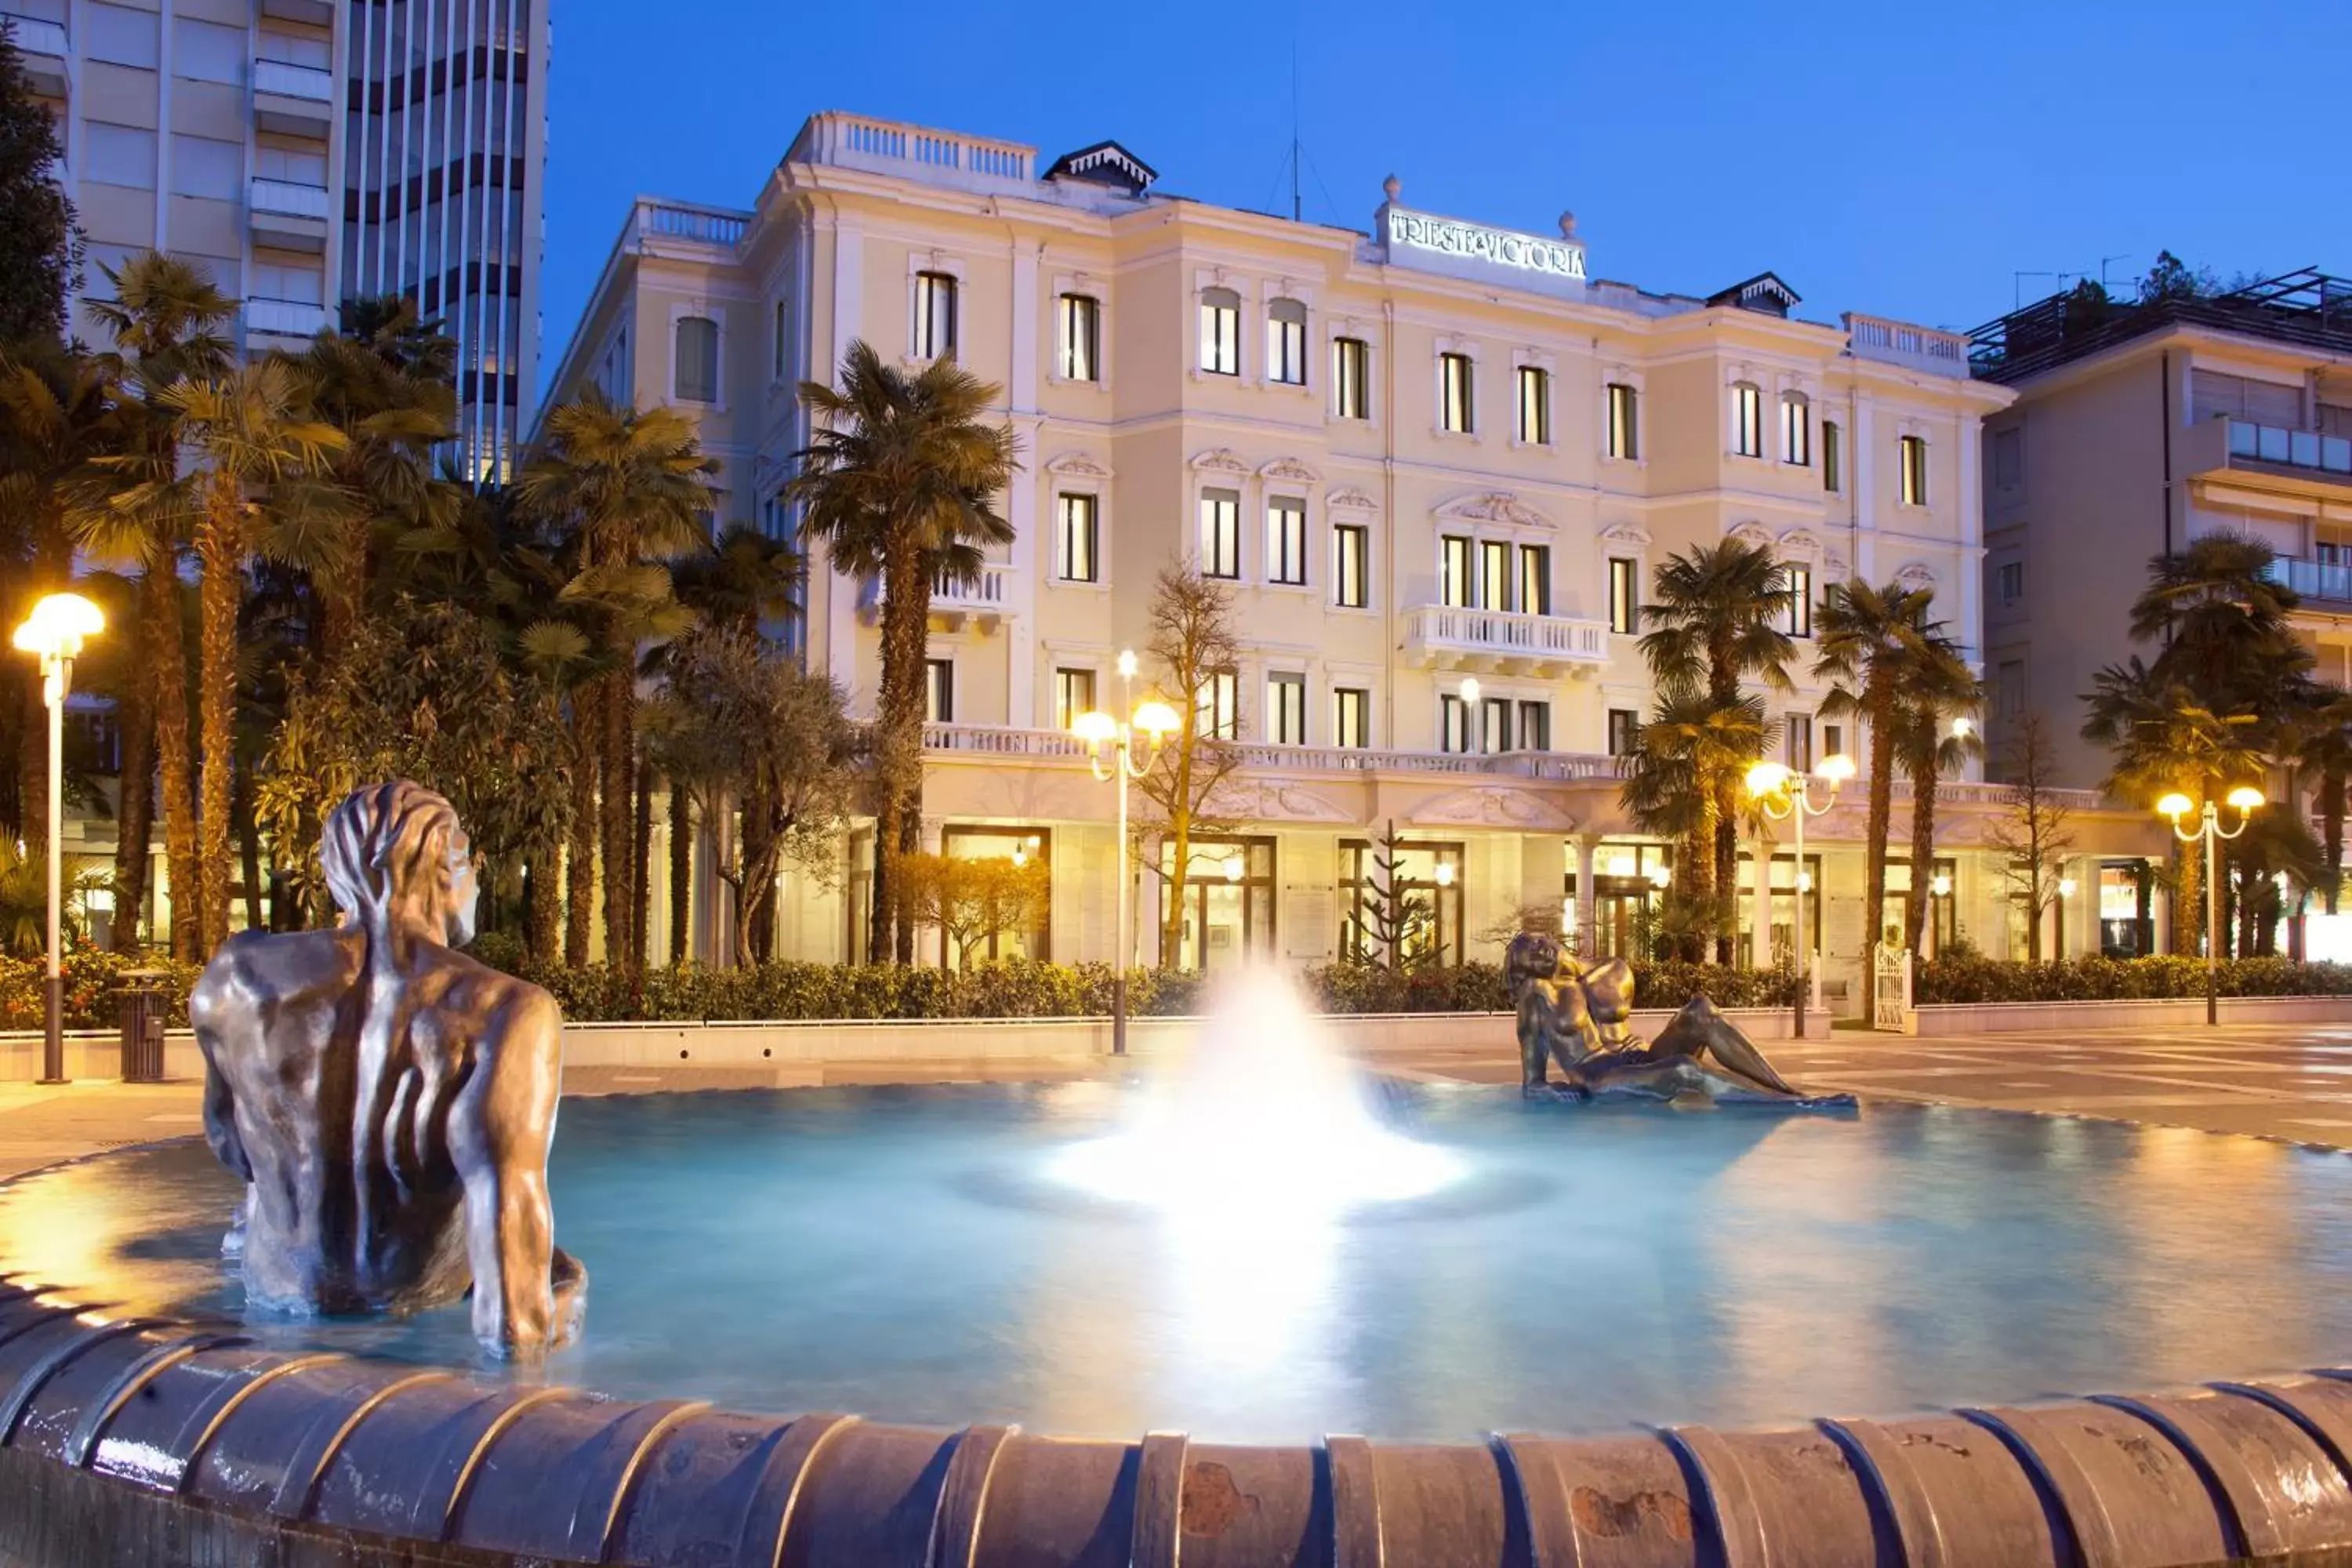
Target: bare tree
column 1193, row 642
column 2035, row 834
column 976, row 900
column 1396, row 926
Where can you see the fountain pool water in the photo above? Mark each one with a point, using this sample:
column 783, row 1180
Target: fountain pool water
column 1473, row 1262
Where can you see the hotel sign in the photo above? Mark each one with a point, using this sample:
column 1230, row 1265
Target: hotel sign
column 1449, row 238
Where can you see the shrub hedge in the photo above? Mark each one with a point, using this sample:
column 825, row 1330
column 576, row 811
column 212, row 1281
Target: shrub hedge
column 1973, row 979
column 1016, row 989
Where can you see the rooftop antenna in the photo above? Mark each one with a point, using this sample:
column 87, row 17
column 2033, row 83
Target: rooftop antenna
column 2119, row 255
column 1294, row 122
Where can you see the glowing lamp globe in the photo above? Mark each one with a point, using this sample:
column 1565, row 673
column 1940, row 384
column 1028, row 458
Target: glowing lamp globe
column 2246, row 797
column 2175, row 804
column 1156, row 719
column 1127, row 663
column 1093, row 727
column 1767, row 778
column 1836, row 768
column 58, row 627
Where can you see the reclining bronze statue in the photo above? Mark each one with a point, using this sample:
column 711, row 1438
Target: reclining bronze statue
column 1578, row 1015
column 389, row 1101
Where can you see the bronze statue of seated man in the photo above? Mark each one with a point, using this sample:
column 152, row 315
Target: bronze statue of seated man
column 387, row 1100
column 1580, row 1016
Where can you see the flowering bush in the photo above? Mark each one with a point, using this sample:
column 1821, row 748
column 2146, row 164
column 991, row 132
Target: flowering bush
column 1969, row 978
column 93, row 978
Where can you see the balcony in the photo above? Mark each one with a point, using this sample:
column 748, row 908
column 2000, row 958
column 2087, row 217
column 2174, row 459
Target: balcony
column 2324, row 581
column 996, row 741
column 1451, row 637
column 1900, row 342
column 287, row 216
column 916, row 153
column 668, row 227
column 985, row 602
column 2270, row 460
column 45, row 48
column 293, row 101
column 283, row 319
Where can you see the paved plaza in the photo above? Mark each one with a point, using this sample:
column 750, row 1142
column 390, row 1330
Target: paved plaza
column 2293, row 1082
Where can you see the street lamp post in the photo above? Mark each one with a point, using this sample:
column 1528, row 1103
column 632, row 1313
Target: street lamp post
column 1113, row 754
column 1786, row 796
column 2245, row 800
column 53, row 633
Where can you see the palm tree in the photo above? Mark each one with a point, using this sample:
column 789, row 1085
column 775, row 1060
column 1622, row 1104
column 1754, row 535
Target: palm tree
column 2221, row 624
column 1871, row 640
column 1718, row 620
column 166, row 322
column 1929, row 745
column 2321, row 743
column 624, row 489
column 1690, row 740
column 899, row 483
column 255, row 434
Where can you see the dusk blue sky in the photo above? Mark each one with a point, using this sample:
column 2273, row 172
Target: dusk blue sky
column 1892, row 157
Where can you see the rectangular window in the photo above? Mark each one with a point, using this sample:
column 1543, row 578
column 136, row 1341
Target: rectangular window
column 1535, row 727
column 1800, row 600
column 1624, row 595
column 1494, row 574
column 1285, row 709
column 1286, row 342
column 1351, row 716
column 1494, row 724
column 290, row 166
column 1797, row 741
column 1796, row 430
column 1351, row 378
column 296, row 285
column 1915, row 470
column 1624, row 731
column 1454, row 584
column 203, row 167
column 1221, row 332
column 1453, row 725
column 1351, row 576
column 938, row 691
column 1748, row 420
column 695, row 369
column 1074, row 693
column 118, row 156
column 206, row 51
column 2008, row 458
column 1286, row 539
column 1535, row 579
column 2009, row 689
column 1831, row 480
column 1535, row 406
column 119, row 34
column 935, row 315
column 1454, row 392
column 1081, row 337
column 1218, row 707
column 1833, row 740
column 783, row 357
column 1221, row 533
column 1624, row 421
column 2012, row 577
column 1076, row 538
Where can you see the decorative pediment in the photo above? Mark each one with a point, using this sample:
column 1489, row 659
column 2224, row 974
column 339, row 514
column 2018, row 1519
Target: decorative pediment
column 1800, row 545
column 1495, row 805
column 1836, row 567
column 1917, row 576
column 1272, row 800
column 1077, row 466
column 1291, row 471
column 1221, row 461
column 1751, row 532
column 1501, row 506
column 1628, row 535
column 1347, row 498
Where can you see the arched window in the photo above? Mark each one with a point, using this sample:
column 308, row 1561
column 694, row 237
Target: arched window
column 1796, row 429
column 1286, row 342
column 1221, row 332
column 1747, row 419
column 695, row 369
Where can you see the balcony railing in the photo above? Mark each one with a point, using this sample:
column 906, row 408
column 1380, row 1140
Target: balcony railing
column 284, row 317
column 851, row 140
column 988, row 739
column 285, row 79
column 284, row 197
column 1901, row 342
column 1964, row 792
column 680, row 220
column 36, row 35
column 2294, row 448
column 1454, row 634
column 988, row 598
column 2310, row 579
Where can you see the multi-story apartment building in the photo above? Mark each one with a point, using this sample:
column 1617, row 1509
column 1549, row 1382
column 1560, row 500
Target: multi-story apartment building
column 305, row 152
column 2136, row 427
column 1437, row 463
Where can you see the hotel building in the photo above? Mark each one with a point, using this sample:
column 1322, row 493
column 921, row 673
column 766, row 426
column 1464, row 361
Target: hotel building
column 1437, row 463
column 307, row 152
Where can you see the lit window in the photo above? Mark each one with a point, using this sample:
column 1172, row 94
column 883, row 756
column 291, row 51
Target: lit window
column 1074, row 693
column 1800, row 600
column 1081, row 337
column 1455, row 587
column 1286, row 342
column 938, row 691
column 1494, row 586
column 1748, row 420
column 1535, row 406
column 1221, row 533
column 1494, row 724
column 1624, row 594
column 1075, row 557
column 1217, row 706
column 1535, row 727
column 1351, row 565
column 1624, row 421
column 1351, row 716
column 1797, row 741
column 1285, row 709
column 1221, row 332
column 697, row 360
column 1796, row 429
column 1286, row 539
column 1535, row 579
column 1830, row 458
column 1915, row 470
column 1624, row 731
column 935, row 315
column 1833, row 740
column 1351, row 378
column 1454, row 392
column 1453, row 725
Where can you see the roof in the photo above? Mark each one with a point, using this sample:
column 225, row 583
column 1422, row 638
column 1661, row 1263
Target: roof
column 1764, row 293
column 2305, row 307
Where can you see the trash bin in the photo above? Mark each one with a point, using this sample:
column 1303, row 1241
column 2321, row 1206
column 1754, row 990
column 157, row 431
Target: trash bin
column 143, row 1001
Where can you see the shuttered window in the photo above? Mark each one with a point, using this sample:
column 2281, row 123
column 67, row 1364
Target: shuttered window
column 2214, row 395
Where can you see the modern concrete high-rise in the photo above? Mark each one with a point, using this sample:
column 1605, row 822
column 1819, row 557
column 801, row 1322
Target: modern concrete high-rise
column 216, row 130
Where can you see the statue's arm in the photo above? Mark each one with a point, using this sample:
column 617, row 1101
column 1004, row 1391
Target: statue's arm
column 498, row 1135
column 210, row 1012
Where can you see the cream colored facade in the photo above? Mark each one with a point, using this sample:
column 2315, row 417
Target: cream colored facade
column 1851, row 449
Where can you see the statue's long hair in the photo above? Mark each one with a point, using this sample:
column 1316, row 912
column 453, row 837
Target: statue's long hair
column 388, row 854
